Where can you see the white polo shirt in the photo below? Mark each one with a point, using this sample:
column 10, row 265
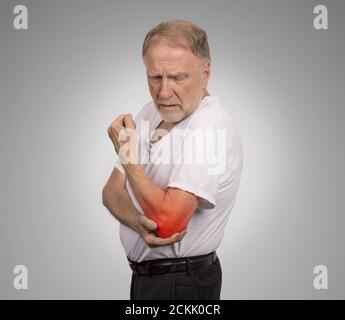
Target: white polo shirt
column 203, row 155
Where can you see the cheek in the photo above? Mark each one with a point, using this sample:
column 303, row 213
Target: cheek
column 187, row 91
column 153, row 90
column 190, row 92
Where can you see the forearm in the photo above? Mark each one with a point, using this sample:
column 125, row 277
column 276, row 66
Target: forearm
column 120, row 206
column 159, row 205
column 170, row 209
column 150, row 197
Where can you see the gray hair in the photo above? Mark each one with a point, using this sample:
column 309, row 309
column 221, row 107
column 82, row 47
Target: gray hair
column 180, row 33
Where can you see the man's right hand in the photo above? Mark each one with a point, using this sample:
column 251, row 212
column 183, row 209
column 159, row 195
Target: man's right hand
column 146, row 229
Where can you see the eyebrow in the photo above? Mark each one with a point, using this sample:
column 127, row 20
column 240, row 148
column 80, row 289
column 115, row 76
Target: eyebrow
column 169, row 75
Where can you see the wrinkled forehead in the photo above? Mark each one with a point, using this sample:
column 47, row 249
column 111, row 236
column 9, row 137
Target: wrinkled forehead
column 162, row 55
column 169, row 41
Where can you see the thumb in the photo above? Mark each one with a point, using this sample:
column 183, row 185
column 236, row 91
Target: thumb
column 147, row 223
column 129, row 122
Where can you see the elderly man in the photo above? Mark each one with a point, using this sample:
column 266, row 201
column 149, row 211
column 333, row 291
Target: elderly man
column 172, row 212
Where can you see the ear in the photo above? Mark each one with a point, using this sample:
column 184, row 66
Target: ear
column 206, row 72
column 207, row 69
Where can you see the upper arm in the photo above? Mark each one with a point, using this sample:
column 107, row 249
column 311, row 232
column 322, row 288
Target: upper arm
column 181, row 200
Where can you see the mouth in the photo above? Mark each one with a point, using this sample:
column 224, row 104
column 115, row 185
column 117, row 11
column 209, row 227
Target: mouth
column 167, row 106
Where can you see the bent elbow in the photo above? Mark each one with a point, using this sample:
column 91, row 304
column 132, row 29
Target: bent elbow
column 168, row 225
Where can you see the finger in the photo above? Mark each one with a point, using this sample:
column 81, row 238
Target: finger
column 148, row 223
column 178, row 236
column 154, row 240
column 120, row 118
column 149, row 239
column 181, row 234
column 119, row 121
column 115, row 129
column 129, row 122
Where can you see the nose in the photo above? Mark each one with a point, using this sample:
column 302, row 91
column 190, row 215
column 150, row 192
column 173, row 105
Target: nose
column 165, row 91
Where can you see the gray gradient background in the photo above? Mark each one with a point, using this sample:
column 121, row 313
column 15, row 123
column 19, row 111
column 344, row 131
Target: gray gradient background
column 79, row 66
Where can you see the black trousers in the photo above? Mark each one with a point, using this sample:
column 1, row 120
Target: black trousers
column 203, row 283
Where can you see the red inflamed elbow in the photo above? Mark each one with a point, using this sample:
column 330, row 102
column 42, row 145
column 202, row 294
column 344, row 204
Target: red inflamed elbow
column 173, row 214
column 170, row 221
column 167, row 229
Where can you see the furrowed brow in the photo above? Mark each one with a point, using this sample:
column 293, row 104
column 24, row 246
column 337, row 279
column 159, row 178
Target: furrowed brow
column 177, row 74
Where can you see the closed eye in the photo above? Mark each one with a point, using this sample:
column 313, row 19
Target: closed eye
column 179, row 77
column 156, row 78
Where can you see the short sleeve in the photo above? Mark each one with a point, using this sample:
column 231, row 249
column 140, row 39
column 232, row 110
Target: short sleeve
column 194, row 180
column 198, row 175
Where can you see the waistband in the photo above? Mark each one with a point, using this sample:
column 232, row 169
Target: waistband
column 160, row 266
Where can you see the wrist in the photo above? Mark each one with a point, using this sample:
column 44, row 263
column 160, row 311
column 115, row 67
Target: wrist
column 136, row 225
column 131, row 169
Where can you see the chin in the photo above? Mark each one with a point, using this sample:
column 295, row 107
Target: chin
column 172, row 118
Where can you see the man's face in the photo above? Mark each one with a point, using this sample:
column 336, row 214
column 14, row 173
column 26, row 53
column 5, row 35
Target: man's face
column 177, row 80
